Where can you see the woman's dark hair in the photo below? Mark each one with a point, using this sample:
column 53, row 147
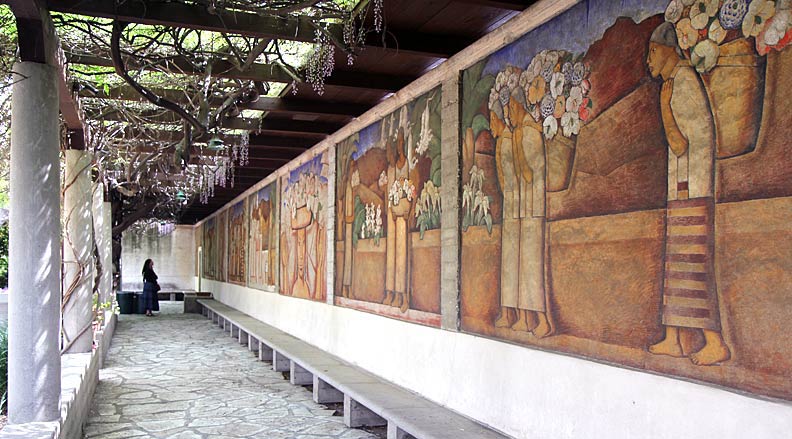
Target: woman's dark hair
column 147, row 265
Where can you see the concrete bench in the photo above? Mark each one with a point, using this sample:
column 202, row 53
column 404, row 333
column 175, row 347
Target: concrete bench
column 368, row 400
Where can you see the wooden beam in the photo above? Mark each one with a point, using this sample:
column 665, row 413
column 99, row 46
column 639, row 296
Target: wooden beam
column 177, row 14
column 268, row 104
column 256, row 140
column 257, row 72
column 237, row 123
column 511, row 5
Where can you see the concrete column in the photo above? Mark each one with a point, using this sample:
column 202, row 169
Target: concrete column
column 97, row 221
column 78, row 269
column 299, row 376
column 280, row 363
column 324, row 392
column 34, row 363
column 357, row 415
column 107, row 255
column 450, row 241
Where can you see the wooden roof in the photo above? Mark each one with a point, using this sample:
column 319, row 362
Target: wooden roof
column 419, row 35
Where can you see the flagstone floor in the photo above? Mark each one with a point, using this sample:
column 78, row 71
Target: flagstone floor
column 177, row 376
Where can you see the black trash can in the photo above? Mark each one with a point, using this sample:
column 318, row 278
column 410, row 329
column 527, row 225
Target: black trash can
column 140, row 305
column 126, row 302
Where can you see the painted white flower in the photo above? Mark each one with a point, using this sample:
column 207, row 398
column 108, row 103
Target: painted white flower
column 704, row 56
column 759, row 11
column 673, row 11
column 701, row 11
column 570, row 123
column 535, row 67
column 687, row 35
column 383, row 179
column 550, row 127
column 778, row 27
column 355, row 178
column 575, row 99
column 687, row 2
column 557, row 84
column 716, row 32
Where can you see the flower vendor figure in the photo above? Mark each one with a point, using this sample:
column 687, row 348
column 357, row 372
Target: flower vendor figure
column 349, row 219
column 690, row 298
column 400, row 197
column 520, row 160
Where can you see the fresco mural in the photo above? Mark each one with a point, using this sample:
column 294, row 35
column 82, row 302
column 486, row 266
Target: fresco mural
column 210, row 258
column 626, row 190
column 263, row 242
column 237, row 243
column 303, row 234
column 222, row 248
column 388, row 183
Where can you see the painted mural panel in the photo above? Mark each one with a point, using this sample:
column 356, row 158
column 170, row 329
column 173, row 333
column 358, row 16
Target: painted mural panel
column 237, row 243
column 209, row 256
column 263, row 243
column 599, row 152
column 222, row 248
column 388, row 183
column 303, row 234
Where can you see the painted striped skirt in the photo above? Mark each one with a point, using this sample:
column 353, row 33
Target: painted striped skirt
column 690, row 297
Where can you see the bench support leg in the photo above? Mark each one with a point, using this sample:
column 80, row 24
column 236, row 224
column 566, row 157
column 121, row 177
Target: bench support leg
column 252, row 344
column 299, row 376
column 325, row 393
column 280, row 363
column 265, row 352
column 357, row 415
column 395, row 432
column 243, row 337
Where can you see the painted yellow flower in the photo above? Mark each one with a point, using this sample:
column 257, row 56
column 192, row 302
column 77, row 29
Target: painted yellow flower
column 687, row 35
column 755, row 20
column 716, row 32
column 537, row 90
column 704, row 56
column 701, row 12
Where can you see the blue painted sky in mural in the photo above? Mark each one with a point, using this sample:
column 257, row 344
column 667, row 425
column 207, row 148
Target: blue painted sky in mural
column 369, row 137
column 238, row 209
column 574, row 31
column 313, row 166
column 264, row 193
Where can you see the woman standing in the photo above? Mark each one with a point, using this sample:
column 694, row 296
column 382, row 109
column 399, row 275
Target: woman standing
column 150, row 287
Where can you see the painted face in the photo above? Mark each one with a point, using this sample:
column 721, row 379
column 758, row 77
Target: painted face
column 657, row 58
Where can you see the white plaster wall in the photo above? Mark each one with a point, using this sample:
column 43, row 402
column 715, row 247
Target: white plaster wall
column 173, row 256
column 523, row 392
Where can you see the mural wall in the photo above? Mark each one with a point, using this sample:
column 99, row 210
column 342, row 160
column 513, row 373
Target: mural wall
column 303, row 234
column 263, row 242
column 222, row 246
column 210, row 257
column 599, row 154
column 388, row 215
column 237, row 243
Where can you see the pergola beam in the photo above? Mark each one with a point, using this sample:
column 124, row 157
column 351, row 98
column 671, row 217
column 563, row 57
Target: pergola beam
column 177, row 14
column 236, row 123
column 268, row 104
column 256, row 72
column 511, row 5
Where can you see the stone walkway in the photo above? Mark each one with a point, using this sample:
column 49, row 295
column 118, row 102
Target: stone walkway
column 178, row 376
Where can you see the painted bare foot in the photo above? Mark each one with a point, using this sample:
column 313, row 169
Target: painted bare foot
column 388, row 298
column 522, row 322
column 503, row 319
column 543, row 329
column 670, row 344
column 398, row 298
column 405, row 303
column 714, row 351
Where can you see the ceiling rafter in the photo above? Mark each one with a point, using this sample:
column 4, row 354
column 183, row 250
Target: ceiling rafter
column 257, row 72
column 286, row 28
column 268, row 104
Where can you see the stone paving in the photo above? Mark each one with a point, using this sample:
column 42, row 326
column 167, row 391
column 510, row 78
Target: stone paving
column 177, row 376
